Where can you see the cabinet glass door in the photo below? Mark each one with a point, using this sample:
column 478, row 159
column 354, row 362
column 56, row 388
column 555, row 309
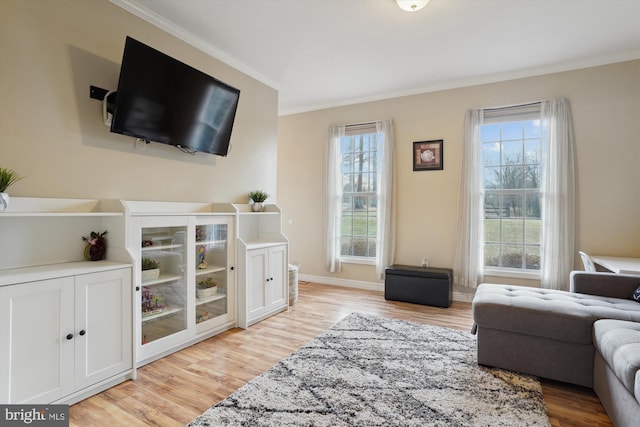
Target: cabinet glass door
column 211, row 263
column 163, row 284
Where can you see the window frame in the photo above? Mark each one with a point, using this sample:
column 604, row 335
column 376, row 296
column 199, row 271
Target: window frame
column 353, row 131
column 501, row 117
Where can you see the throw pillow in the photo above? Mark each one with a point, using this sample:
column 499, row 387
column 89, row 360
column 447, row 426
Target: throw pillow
column 636, row 295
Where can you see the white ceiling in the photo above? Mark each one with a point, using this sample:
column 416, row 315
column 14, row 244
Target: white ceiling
column 324, row 53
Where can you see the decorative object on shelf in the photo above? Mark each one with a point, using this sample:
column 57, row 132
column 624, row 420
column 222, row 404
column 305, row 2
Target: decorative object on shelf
column 7, row 178
column 201, row 233
column 202, row 253
column 150, row 269
column 206, row 288
column 151, row 304
column 258, row 198
column 427, row 155
column 96, row 249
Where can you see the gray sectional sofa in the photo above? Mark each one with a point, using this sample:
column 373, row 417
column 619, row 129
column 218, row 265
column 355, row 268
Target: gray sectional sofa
column 560, row 335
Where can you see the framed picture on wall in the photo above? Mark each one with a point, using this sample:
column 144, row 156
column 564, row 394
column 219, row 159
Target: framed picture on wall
column 427, row 155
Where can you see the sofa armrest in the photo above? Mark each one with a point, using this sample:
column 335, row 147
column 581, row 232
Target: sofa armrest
column 603, row 284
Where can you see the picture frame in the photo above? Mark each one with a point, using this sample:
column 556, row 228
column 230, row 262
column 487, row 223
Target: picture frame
column 428, row 155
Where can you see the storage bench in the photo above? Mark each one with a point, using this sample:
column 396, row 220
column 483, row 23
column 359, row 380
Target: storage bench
column 418, row 285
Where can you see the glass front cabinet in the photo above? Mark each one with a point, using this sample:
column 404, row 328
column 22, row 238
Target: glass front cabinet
column 184, row 282
column 213, row 268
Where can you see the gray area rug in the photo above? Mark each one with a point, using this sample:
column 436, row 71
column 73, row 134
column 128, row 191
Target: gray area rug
column 371, row 371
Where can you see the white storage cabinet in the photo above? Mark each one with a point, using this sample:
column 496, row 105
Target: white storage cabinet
column 263, row 288
column 65, row 323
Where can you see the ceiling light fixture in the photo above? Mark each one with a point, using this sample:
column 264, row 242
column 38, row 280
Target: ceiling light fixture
column 412, row 5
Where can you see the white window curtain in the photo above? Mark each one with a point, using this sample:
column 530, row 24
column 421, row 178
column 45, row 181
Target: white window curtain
column 558, row 195
column 558, row 199
column 385, row 245
column 468, row 263
column 333, row 200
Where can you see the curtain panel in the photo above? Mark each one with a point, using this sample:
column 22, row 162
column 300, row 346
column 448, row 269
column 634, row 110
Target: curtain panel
column 333, row 200
column 468, row 262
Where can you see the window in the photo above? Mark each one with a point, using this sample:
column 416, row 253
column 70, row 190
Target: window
column 359, row 170
column 359, row 217
column 516, row 210
column 511, row 153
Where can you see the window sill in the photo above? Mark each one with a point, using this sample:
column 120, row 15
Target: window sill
column 517, row 274
column 354, row 260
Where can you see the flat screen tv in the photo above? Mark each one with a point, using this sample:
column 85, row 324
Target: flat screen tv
column 163, row 100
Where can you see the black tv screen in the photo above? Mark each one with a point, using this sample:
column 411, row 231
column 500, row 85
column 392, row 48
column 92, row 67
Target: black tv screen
column 164, row 100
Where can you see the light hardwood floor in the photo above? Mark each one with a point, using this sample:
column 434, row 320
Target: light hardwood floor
column 174, row 390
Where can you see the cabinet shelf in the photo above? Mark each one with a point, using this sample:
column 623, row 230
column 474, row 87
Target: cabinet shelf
column 216, row 297
column 164, row 313
column 211, row 269
column 153, row 248
column 164, row 278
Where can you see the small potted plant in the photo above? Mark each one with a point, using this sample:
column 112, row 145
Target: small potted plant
column 96, row 249
column 206, row 288
column 150, row 269
column 258, row 198
column 7, row 178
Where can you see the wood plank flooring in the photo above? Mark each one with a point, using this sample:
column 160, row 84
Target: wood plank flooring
column 174, row 390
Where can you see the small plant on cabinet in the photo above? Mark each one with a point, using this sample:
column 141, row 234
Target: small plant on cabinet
column 258, row 197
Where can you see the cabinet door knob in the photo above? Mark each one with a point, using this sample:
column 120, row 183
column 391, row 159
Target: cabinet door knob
column 82, row 332
column 70, row 336
column 137, row 288
column 232, row 267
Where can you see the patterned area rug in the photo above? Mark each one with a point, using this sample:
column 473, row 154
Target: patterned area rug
column 371, row 371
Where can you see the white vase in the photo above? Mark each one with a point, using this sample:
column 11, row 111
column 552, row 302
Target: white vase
column 4, row 201
column 257, row 206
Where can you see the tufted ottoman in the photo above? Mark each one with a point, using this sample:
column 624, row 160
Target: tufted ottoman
column 616, row 375
column 547, row 333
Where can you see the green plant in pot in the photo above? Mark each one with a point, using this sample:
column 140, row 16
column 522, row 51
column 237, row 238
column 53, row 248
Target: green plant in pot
column 258, row 197
column 150, row 269
column 7, row 178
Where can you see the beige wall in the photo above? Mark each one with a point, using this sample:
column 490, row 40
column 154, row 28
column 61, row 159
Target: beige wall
column 606, row 110
column 52, row 134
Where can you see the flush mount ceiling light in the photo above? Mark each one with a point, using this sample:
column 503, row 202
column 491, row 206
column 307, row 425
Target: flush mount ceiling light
column 411, row 5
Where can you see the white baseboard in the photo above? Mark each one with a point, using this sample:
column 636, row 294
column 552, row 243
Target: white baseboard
column 371, row 286
column 359, row 284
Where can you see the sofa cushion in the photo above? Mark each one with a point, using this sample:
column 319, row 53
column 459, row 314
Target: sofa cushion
column 548, row 313
column 619, row 344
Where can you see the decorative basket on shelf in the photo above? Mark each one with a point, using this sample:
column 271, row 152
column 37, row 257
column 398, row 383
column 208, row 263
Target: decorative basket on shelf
column 206, row 288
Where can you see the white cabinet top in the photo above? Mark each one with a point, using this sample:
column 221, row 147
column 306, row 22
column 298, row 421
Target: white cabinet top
column 42, row 206
column 15, row 276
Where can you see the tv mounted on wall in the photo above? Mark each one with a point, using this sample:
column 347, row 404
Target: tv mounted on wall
column 163, row 100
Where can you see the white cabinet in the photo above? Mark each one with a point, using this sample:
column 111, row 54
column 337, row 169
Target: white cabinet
column 262, row 265
column 265, row 285
column 193, row 297
column 62, row 336
column 65, row 323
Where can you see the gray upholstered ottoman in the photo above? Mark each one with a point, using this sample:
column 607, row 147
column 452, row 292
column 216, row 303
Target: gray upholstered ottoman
column 547, row 333
column 616, row 375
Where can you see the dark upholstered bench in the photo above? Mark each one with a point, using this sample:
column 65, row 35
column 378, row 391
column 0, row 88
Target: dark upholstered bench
column 418, row 285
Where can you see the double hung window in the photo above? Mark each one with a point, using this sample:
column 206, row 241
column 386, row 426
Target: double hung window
column 360, row 223
column 512, row 150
